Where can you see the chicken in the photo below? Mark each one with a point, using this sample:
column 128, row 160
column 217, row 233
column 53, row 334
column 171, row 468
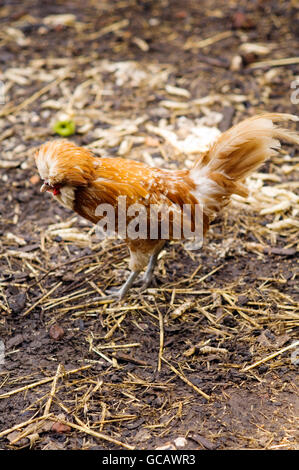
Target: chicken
column 85, row 183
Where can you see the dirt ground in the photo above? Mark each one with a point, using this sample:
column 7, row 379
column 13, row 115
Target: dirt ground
column 175, row 361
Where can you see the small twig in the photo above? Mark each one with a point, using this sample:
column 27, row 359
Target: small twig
column 103, row 414
column 76, row 295
column 83, row 428
column 208, row 41
column 111, row 28
column 60, row 266
column 88, row 395
column 179, row 291
column 240, row 311
column 23, row 424
column 96, row 288
column 106, row 358
column 53, row 388
column 6, row 309
column 29, row 430
column 208, row 316
column 187, row 381
column 181, row 309
column 43, row 297
column 188, row 279
column 210, row 273
column 41, row 382
column 274, row 63
column 114, row 327
column 271, row 356
column 32, row 98
column 161, row 346
column 118, row 346
column 71, row 261
column 132, row 360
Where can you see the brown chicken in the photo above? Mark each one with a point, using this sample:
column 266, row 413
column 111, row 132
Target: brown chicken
column 83, row 183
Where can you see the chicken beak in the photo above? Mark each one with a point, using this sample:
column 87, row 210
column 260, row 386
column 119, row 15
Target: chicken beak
column 43, row 188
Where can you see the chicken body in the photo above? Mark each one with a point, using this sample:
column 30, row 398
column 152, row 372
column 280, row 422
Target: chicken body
column 83, row 182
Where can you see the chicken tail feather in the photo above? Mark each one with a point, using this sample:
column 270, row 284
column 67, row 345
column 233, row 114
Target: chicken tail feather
column 236, row 154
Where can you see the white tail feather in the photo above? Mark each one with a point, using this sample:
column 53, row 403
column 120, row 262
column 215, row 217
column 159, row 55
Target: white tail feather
column 236, row 153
